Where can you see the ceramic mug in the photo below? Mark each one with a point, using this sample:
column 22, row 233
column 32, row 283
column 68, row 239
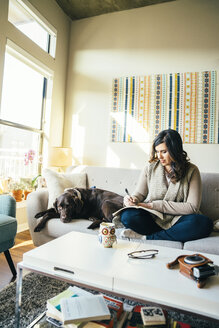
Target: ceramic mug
column 107, row 236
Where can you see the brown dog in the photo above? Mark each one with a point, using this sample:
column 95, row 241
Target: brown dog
column 79, row 203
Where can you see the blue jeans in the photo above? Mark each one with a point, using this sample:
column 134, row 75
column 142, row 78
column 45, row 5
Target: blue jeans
column 188, row 227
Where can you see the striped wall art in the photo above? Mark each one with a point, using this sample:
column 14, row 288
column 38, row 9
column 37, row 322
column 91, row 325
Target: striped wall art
column 142, row 106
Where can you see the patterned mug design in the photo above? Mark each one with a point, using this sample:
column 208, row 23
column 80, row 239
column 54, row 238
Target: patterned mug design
column 107, row 235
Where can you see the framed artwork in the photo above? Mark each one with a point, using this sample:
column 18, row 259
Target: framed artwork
column 142, row 106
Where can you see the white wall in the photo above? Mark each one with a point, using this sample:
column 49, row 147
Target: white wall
column 56, row 17
column 179, row 36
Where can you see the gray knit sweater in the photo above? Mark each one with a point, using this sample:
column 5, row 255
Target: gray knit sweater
column 171, row 199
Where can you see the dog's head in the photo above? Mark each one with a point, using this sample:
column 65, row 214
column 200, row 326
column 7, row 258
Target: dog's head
column 69, row 205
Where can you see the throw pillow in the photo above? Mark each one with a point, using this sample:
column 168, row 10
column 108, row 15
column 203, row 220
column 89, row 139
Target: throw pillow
column 57, row 182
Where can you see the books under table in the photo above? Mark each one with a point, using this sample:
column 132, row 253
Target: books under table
column 122, row 315
column 54, row 303
column 113, row 309
column 135, row 319
column 152, row 316
column 139, row 318
column 84, row 308
column 108, row 323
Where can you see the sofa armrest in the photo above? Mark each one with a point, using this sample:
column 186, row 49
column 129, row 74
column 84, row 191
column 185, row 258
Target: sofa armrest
column 8, row 205
column 37, row 201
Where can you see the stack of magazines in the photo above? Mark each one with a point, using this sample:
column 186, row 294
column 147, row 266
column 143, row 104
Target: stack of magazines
column 77, row 308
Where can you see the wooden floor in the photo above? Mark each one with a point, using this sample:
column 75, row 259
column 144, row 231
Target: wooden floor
column 23, row 243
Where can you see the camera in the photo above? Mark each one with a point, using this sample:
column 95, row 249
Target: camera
column 205, row 271
column 200, row 267
column 196, row 267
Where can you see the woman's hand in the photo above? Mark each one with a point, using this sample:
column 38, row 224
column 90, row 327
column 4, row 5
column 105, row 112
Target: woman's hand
column 130, row 201
column 146, row 205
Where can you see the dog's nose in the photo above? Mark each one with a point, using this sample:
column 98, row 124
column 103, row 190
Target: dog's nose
column 63, row 215
column 65, row 219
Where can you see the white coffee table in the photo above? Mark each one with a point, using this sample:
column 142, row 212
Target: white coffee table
column 80, row 259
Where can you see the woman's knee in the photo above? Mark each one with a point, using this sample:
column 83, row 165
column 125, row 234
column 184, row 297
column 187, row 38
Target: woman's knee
column 205, row 224
column 201, row 224
column 128, row 217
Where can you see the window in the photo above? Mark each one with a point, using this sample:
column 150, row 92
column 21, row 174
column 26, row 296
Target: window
column 25, row 97
column 15, row 144
column 26, row 18
column 25, row 105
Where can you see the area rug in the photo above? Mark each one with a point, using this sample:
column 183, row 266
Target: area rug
column 37, row 289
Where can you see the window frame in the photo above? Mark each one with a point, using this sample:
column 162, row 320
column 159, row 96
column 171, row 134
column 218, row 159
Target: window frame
column 48, row 74
column 50, row 29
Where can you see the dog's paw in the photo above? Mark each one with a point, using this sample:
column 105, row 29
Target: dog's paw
column 92, row 218
column 91, row 226
column 95, row 224
column 38, row 228
column 38, row 215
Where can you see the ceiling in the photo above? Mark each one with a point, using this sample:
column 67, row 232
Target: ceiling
column 78, row 9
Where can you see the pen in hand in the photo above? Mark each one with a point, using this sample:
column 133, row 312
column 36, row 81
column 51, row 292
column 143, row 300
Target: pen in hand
column 131, row 199
column 127, row 192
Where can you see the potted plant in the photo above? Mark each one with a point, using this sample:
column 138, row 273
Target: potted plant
column 16, row 188
column 27, row 190
column 27, row 186
column 34, row 182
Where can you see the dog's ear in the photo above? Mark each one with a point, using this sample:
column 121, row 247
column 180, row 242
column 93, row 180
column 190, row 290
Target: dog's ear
column 55, row 206
column 70, row 191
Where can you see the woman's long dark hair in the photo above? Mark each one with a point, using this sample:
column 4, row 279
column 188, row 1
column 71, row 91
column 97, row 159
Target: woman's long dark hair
column 174, row 144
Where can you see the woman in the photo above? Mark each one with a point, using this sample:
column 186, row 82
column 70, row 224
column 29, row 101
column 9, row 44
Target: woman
column 171, row 185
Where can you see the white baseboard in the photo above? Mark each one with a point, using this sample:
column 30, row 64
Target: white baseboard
column 22, row 227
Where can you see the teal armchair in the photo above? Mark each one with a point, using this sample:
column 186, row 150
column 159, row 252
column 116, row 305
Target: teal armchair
column 8, row 228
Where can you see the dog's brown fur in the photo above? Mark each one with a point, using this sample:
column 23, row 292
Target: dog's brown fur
column 79, row 203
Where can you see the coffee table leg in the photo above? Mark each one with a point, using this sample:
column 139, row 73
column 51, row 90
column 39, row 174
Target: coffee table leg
column 18, row 296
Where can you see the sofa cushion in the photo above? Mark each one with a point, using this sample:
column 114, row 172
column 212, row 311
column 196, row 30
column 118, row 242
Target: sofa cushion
column 165, row 243
column 55, row 228
column 206, row 245
column 210, row 195
column 57, row 182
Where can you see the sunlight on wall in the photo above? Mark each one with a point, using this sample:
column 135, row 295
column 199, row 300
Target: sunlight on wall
column 133, row 128
column 77, row 144
column 146, row 147
column 117, row 151
column 133, row 166
column 127, row 155
column 136, row 131
column 112, row 159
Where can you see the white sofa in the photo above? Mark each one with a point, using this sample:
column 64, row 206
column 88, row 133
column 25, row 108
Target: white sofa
column 117, row 179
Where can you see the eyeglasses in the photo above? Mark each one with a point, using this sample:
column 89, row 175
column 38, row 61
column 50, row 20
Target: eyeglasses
column 143, row 254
